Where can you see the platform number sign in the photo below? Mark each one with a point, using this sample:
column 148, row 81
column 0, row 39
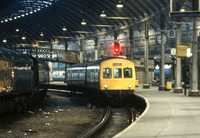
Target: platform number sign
column 171, row 33
column 173, row 51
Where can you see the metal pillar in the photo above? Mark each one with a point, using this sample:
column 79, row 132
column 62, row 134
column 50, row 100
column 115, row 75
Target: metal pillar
column 81, row 51
column 162, row 69
column 146, row 84
column 50, row 72
column 194, row 73
column 65, row 73
column 162, row 60
column 96, row 48
column 131, row 42
column 178, row 87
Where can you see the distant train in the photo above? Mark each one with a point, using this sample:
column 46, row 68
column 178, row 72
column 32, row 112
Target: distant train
column 23, row 80
column 111, row 77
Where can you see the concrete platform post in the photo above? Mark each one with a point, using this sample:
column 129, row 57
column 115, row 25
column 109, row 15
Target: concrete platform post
column 146, row 84
column 178, row 87
column 194, row 73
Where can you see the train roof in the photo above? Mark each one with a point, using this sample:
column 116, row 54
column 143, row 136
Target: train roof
column 12, row 55
column 78, row 65
column 103, row 59
column 97, row 62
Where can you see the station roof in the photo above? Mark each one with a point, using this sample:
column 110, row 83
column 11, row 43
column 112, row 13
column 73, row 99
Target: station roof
column 34, row 18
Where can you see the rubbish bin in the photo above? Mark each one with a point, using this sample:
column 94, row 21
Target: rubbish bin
column 169, row 85
column 136, row 83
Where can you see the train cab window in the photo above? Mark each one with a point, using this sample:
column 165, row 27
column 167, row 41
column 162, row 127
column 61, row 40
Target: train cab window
column 117, row 72
column 127, row 73
column 107, row 72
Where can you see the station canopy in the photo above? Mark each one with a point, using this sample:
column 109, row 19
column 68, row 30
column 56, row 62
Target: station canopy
column 28, row 22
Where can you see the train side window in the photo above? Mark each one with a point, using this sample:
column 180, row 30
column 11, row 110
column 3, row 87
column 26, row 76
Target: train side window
column 127, row 73
column 117, row 72
column 69, row 74
column 107, row 72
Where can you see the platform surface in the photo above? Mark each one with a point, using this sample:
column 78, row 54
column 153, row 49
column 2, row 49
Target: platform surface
column 167, row 115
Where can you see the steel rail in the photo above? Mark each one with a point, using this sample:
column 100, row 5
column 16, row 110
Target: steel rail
column 104, row 120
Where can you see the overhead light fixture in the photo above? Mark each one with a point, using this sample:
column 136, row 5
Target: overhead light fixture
column 119, row 5
column 182, row 10
column 41, row 34
column 17, row 30
column 83, row 22
column 103, row 14
column 64, row 37
column 120, row 18
column 4, row 40
column 64, row 28
column 82, row 32
column 101, row 25
column 23, row 37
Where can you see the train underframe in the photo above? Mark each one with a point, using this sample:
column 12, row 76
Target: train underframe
column 20, row 102
column 117, row 97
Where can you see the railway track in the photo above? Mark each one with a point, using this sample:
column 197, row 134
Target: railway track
column 113, row 121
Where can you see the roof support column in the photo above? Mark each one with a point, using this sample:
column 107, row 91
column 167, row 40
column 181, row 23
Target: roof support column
column 178, row 87
column 81, row 51
column 96, row 47
column 194, row 73
column 146, row 57
column 162, row 69
column 131, row 42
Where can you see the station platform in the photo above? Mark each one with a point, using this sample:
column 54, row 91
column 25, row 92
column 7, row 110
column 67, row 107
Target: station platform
column 167, row 115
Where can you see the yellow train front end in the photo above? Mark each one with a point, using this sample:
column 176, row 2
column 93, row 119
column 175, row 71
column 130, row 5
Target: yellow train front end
column 117, row 77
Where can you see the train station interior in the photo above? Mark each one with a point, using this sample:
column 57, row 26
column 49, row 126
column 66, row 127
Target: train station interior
column 149, row 32
column 160, row 37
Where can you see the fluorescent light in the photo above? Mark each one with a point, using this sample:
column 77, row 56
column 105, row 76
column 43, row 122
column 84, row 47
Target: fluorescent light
column 103, row 14
column 119, row 5
column 83, row 22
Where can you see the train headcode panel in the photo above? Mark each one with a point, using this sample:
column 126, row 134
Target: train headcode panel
column 117, row 64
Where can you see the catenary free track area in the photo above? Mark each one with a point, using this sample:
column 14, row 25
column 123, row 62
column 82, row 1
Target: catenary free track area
column 167, row 115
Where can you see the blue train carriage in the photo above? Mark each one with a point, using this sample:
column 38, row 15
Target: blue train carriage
column 15, row 73
column 76, row 75
column 21, row 79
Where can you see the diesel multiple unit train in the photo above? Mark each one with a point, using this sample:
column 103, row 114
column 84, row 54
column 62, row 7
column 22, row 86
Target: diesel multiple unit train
column 112, row 77
column 23, row 80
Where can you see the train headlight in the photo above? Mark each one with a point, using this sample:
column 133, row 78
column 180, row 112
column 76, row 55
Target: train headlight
column 105, row 86
column 129, row 86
